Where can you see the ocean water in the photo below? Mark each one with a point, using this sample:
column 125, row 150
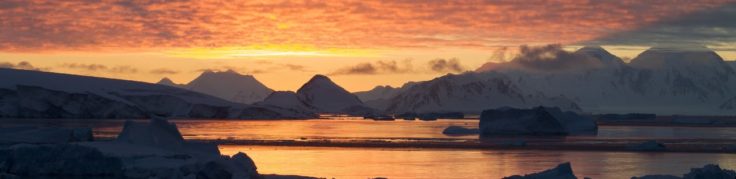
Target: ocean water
column 331, row 162
column 359, row 129
column 421, row 162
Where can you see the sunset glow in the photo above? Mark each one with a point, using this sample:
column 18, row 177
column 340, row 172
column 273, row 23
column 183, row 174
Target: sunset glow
column 314, row 37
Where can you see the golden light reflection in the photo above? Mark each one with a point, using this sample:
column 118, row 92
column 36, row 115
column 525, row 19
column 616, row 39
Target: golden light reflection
column 438, row 163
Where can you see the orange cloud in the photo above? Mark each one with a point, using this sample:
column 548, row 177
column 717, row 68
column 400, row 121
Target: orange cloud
column 35, row 25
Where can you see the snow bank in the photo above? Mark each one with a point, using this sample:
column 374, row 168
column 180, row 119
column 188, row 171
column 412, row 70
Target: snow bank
column 536, row 121
column 709, row 171
column 459, row 130
column 562, row 171
column 44, row 135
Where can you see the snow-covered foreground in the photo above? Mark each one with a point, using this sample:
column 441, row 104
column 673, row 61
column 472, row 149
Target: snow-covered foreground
column 152, row 149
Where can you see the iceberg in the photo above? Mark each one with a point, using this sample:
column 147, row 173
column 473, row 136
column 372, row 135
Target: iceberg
column 459, row 130
column 158, row 133
column 650, row 146
column 536, row 121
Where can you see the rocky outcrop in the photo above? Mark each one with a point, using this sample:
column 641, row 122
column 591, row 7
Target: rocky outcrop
column 562, row 171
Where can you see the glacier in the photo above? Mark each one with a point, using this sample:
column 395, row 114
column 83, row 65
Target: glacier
column 34, row 94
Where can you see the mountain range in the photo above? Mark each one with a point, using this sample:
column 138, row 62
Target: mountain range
column 320, row 94
column 662, row 80
column 35, row 94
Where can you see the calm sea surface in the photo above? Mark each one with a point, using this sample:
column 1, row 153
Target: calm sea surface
column 423, row 163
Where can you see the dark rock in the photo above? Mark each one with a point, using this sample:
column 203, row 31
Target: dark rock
column 562, row 171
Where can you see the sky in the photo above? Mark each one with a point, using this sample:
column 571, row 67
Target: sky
column 359, row 44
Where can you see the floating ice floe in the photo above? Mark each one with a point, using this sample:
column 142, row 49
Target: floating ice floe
column 459, row 130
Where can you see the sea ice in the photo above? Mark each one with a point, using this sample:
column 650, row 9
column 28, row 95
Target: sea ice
column 459, row 130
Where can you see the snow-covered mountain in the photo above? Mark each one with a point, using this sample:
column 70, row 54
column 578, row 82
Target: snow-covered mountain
column 379, row 97
column 382, row 92
column 663, row 80
column 35, row 94
column 285, row 99
column 326, row 96
column 471, row 93
column 229, row 85
column 597, row 52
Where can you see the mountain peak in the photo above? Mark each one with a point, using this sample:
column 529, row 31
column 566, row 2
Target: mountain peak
column 601, row 54
column 320, row 80
column 689, row 59
column 592, row 48
column 228, row 72
column 320, row 77
column 382, row 87
column 680, row 48
column 327, row 96
column 166, row 81
column 230, row 85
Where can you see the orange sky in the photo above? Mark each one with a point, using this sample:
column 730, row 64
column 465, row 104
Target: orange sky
column 285, row 43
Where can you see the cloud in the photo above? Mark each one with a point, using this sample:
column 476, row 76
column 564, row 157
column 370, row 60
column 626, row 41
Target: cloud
column 124, row 69
column 714, row 27
column 446, row 65
column 41, row 25
column 23, row 65
column 293, row 67
column 378, row 67
column 546, row 58
column 164, row 71
column 86, row 67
